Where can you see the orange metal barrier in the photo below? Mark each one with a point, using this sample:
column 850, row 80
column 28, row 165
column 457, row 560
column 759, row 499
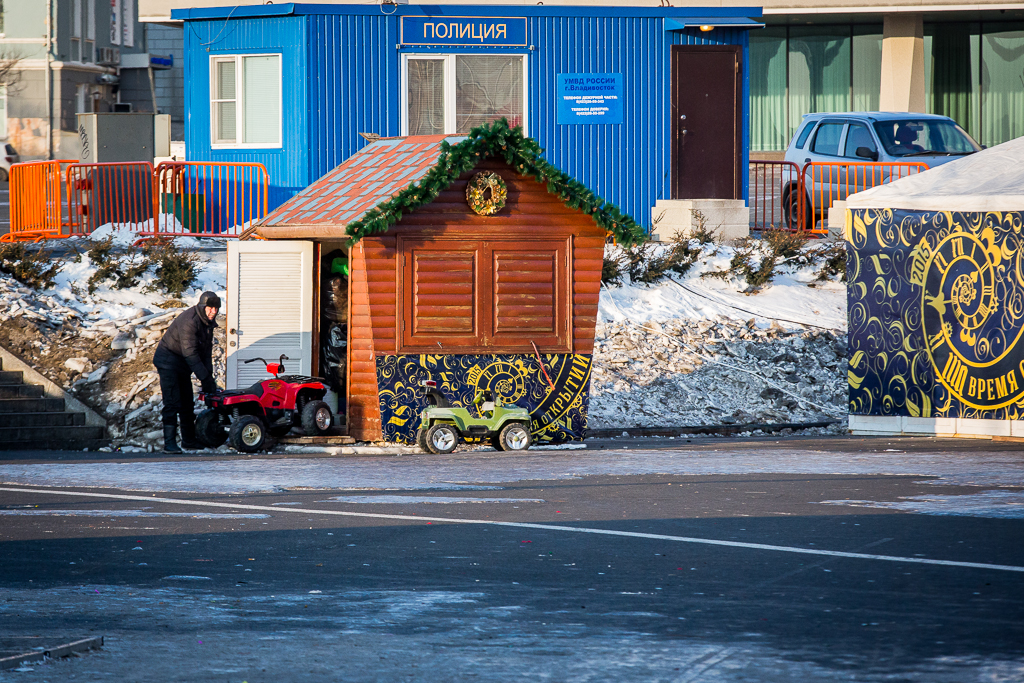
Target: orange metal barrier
column 119, row 193
column 776, row 199
column 35, row 197
column 827, row 183
column 207, row 198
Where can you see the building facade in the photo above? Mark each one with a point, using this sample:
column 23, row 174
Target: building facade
column 73, row 56
column 638, row 104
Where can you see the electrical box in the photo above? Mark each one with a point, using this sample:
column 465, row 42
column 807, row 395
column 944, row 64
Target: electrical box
column 162, row 135
column 117, row 137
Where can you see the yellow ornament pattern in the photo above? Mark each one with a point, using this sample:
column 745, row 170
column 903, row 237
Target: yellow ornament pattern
column 936, row 313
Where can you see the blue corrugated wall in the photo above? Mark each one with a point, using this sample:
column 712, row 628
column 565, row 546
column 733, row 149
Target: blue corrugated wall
column 341, row 74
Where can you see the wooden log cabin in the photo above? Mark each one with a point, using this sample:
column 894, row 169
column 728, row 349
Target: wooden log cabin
column 495, row 288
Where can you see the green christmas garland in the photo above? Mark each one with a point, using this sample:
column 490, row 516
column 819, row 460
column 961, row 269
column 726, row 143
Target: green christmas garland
column 523, row 154
column 476, row 193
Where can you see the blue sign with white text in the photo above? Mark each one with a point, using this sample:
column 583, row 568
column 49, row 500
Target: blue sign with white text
column 589, row 98
column 466, row 31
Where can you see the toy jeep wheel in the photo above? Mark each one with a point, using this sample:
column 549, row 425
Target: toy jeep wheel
column 248, row 434
column 209, row 430
column 421, row 440
column 442, row 439
column 316, row 418
column 514, row 437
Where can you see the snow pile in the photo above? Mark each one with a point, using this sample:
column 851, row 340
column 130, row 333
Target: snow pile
column 710, row 372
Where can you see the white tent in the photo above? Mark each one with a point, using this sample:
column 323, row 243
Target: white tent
column 990, row 180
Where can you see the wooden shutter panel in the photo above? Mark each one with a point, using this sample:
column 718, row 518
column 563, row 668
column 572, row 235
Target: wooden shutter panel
column 529, row 282
column 524, row 291
column 440, row 292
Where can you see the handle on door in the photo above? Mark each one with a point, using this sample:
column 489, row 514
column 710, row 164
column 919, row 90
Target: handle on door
column 684, row 131
column 683, row 117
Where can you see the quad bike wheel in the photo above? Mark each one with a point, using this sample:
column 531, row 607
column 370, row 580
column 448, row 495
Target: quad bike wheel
column 248, row 434
column 514, row 437
column 442, row 439
column 421, row 441
column 316, row 418
column 209, row 430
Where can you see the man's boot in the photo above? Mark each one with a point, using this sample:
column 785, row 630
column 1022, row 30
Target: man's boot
column 188, row 438
column 170, row 439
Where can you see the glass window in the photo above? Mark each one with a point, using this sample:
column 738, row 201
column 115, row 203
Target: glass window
column 768, row 128
column 487, row 88
column 804, row 134
column 859, row 143
column 819, row 70
column 826, row 140
column 1002, row 88
column 867, row 67
column 923, row 136
column 426, row 96
column 451, row 94
column 246, row 100
column 951, row 71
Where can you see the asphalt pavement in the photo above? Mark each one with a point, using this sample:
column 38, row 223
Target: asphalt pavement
column 785, row 559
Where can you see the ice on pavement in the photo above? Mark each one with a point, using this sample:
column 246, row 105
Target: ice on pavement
column 995, row 504
column 128, row 513
column 408, row 500
column 979, row 468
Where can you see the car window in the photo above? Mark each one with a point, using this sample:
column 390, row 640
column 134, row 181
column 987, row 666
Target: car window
column 805, row 132
column 859, row 136
column 924, row 136
column 826, row 140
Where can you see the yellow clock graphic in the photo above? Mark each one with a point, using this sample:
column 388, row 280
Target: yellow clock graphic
column 969, row 353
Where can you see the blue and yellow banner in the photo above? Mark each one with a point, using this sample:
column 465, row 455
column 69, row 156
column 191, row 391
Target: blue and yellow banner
column 558, row 416
column 936, row 313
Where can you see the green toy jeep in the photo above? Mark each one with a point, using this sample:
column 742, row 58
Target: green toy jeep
column 441, row 426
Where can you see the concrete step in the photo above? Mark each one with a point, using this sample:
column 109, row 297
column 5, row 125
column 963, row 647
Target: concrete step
column 51, row 419
column 20, row 391
column 67, row 437
column 30, row 405
column 12, row 376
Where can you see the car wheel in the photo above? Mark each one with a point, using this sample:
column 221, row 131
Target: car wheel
column 209, row 430
column 442, row 439
column 421, row 441
column 248, row 434
column 4, row 176
column 316, row 418
column 792, row 205
column 515, row 436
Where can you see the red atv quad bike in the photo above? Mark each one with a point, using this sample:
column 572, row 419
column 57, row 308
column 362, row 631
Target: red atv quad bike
column 271, row 406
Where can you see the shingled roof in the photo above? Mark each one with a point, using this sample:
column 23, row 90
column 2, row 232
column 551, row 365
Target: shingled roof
column 373, row 174
column 370, row 191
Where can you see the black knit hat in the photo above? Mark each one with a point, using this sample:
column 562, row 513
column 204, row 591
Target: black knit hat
column 209, row 299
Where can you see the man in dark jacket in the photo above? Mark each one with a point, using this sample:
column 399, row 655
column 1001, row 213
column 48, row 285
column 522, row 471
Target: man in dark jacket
column 186, row 349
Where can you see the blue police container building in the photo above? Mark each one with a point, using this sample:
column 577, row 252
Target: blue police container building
column 638, row 104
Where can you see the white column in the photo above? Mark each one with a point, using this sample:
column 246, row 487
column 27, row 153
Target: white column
column 902, row 63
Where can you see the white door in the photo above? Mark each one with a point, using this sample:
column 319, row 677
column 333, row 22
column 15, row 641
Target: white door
column 270, row 308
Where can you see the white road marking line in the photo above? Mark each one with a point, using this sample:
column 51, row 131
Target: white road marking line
column 541, row 527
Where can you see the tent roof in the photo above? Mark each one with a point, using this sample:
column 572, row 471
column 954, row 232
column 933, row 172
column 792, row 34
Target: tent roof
column 989, row 180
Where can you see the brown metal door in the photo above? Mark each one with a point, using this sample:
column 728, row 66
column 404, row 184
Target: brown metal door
column 706, row 122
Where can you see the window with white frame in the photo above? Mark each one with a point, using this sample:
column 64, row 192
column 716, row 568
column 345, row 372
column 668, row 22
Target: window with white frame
column 3, row 112
column 245, row 97
column 450, row 94
column 76, row 31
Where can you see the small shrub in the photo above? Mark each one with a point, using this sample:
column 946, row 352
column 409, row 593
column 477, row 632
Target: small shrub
column 785, row 243
column 612, row 270
column 122, row 267
column 34, row 268
column 834, row 257
column 702, row 233
column 176, row 269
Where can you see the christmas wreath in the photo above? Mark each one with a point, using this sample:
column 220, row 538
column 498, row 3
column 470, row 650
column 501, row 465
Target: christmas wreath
column 477, row 193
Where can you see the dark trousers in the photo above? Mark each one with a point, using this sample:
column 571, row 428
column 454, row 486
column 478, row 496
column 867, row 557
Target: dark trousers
column 178, row 400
